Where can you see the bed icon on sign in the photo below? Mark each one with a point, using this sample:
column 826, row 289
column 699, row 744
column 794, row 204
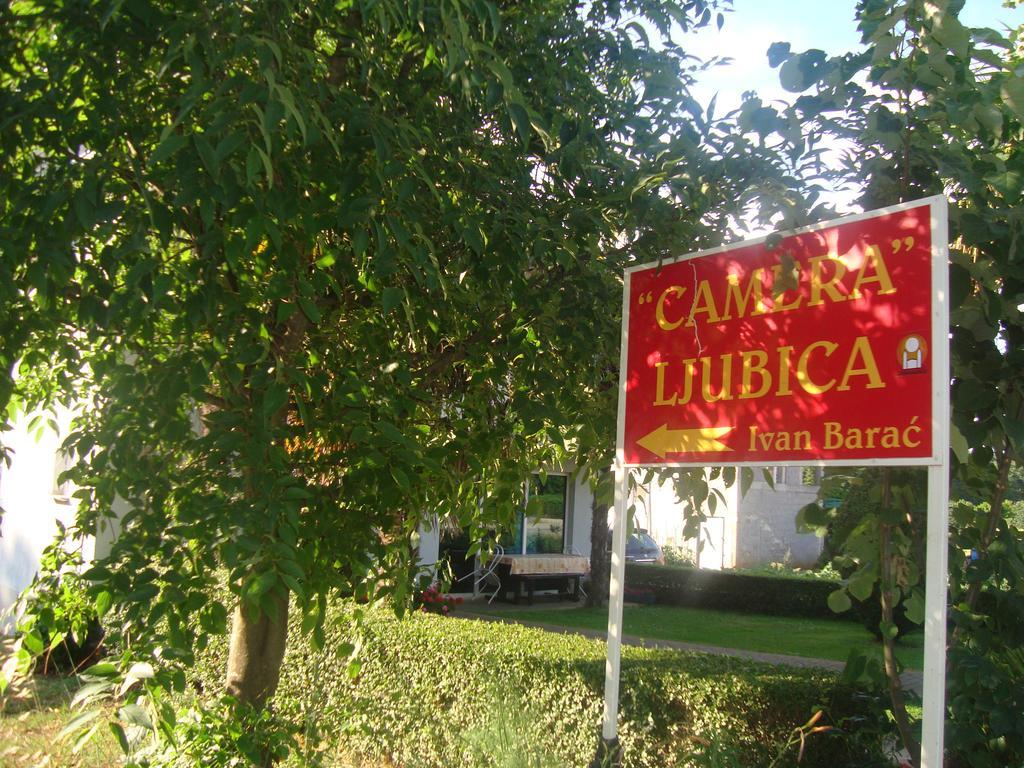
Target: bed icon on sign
column 912, row 352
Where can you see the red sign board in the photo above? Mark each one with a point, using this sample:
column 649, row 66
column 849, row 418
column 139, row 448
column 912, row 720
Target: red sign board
column 814, row 349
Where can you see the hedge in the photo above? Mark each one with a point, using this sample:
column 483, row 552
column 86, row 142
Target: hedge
column 697, row 588
column 430, row 689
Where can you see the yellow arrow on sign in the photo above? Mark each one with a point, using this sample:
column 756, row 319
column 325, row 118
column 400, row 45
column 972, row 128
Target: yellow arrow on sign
column 663, row 440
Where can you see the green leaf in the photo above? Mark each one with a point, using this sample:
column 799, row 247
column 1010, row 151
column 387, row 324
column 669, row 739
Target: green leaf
column 914, row 606
column 802, row 70
column 353, row 667
column 78, row 722
column 93, row 691
column 473, row 239
column 951, row 33
column 85, row 211
column 141, row 670
column 1014, row 430
column 288, row 99
column 111, row 13
column 262, row 584
column 103, row 602
column 215, row 618
column 33, row 643
column 118, row 730
column 390, row 298
column 521, row 121
column 839, row 601
column 813, row 518
column 103, row 669
column 401, row 478
column 166, row 148
column 268, row 167
column 392, row 433
column 133, row 714
column 1012, row 91
column 310, row 310
column 958, row 444
column 777, row 54
column 861, row 584
column 1007, row 183
column 990, row 117
column 275, row 398
column 143, row 594
column 746, row 480
column 791, row 76
column 229, row 145
column 84, row 739
column 360, row 240
column 503, row 73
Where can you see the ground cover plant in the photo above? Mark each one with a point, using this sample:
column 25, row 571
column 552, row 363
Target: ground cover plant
column 424, row 691
column 813, row 638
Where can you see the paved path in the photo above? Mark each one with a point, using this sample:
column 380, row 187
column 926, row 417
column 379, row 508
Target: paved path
column 912, row 680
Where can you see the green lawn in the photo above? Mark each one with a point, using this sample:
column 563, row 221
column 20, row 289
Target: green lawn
column 813, row 638
column 34, row 712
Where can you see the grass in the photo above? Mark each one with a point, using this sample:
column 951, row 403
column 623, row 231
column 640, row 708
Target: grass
column 33, row 715
column 33, row 712
column 811, row 638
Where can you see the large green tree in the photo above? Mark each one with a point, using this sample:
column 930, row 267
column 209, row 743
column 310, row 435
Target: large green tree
column 930, row 106
column 318, row 272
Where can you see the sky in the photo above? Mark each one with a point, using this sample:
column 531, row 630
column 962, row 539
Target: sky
column 825, row 24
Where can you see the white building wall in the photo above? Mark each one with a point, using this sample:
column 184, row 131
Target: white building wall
column 430, row 542
column 581, row 500
column 31, row 510
column 660, row 512
column 767, row 522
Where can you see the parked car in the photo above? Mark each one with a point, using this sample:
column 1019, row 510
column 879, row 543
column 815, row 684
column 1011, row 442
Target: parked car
column 641, row 548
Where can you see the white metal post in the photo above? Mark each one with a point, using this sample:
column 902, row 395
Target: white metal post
column 934, row 704
column 933, row 714
column 615, row 596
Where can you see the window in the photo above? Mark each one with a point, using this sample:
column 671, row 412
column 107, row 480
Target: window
column 543, row 533
column 779, row 475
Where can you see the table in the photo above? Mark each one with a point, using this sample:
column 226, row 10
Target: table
column 518, row 571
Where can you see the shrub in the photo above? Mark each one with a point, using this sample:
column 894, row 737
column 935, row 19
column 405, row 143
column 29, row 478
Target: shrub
column 426, row 687
column 678, row 555
column 773, row 595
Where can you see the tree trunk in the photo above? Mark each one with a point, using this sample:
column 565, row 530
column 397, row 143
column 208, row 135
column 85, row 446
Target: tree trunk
column 256, row 652
column 887, row 588
column 600, row 554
